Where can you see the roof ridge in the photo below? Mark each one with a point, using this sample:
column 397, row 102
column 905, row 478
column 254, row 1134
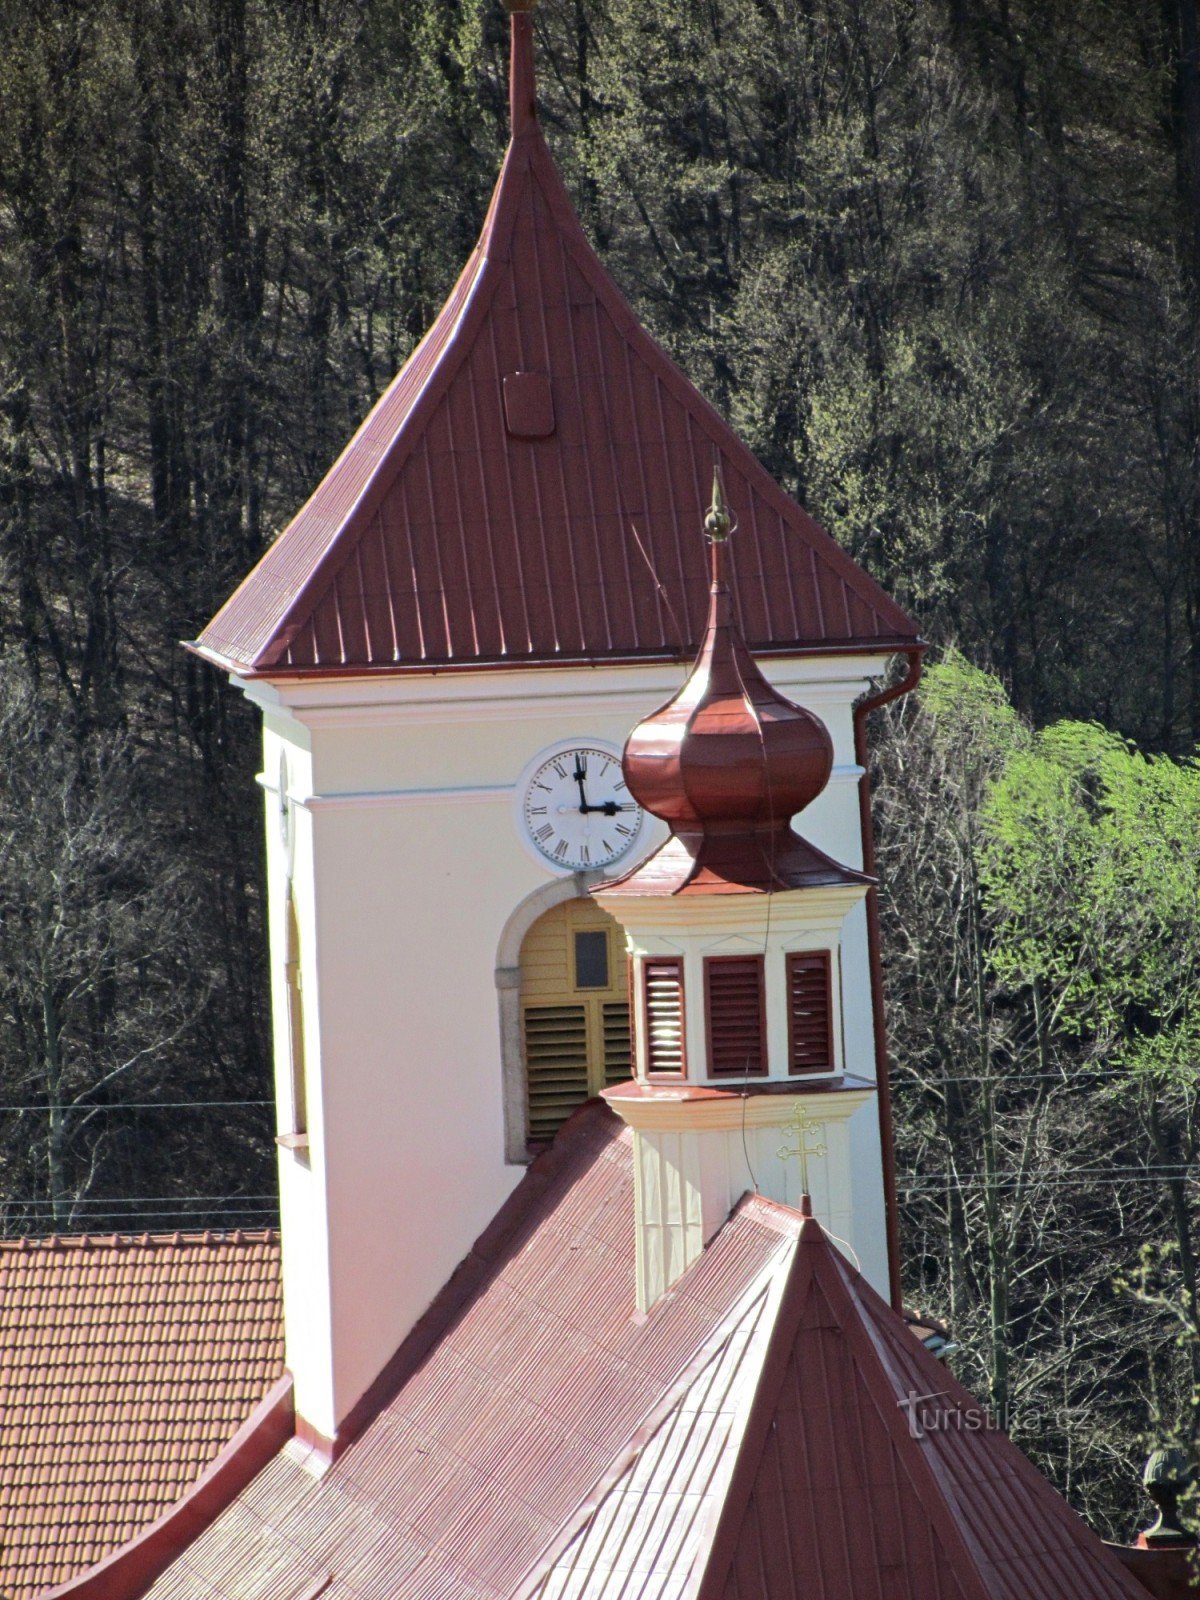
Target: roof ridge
column 883, row 1355
column 658, row 1413
column 689, row 395
column 28, row 1244
column 712, row 1575
column 776, row 1214
column 879, row 1323
column 832, row 1270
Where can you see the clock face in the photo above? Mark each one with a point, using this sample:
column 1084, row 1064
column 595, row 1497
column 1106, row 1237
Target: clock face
column 577, row 812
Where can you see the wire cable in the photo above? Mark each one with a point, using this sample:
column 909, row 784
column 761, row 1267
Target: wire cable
column 139, row 1105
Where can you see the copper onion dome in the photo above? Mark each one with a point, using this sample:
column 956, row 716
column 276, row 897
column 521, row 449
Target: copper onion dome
column 728, row 748
column 727, row 763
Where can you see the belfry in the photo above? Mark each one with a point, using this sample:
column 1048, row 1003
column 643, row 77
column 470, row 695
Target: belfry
column 734, row 930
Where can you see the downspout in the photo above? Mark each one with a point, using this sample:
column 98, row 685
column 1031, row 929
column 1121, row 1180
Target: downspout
column 862, row 711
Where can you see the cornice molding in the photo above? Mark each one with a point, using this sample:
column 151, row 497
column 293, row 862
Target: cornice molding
column 656, row 1109
column 521, row 696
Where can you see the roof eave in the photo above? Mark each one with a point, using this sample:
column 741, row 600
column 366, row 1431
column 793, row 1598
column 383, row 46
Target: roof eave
column 392, row 669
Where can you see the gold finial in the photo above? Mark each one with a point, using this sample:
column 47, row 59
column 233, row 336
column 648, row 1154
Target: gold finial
column 809, row 1145
column 718, row 522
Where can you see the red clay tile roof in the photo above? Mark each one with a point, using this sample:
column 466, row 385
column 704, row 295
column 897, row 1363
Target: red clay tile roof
column 124, row 1366
column 453, row 530
column 836, row 1494
column 530, row 1393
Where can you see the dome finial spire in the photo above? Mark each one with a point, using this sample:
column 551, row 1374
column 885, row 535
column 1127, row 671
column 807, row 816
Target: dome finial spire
column 718, row 523
column 522, row 85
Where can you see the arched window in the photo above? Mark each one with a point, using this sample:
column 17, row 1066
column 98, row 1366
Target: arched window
column 574, row 1012
column 297, row 1136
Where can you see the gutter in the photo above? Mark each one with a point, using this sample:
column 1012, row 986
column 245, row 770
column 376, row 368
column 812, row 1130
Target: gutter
column 882, row 1066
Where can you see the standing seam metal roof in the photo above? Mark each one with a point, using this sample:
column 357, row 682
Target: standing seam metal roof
column 533, row 1393
column 442, row 537
column 468, row 1481
column 837, row 1494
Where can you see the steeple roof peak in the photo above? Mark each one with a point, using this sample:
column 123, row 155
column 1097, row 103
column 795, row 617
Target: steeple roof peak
column 522, row 81
column 526, row 490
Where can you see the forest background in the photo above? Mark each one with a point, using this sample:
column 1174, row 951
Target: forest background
column 939, row 263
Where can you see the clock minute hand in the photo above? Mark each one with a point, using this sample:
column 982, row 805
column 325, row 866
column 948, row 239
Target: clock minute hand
column 580, row 775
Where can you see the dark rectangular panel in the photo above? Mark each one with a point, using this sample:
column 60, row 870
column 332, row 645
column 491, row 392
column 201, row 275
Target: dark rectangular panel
column 591, row 959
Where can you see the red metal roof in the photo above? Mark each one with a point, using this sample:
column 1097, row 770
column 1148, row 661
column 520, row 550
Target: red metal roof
column 126, row 1364
column 522, row 1400
column 726, row 763
column 867, row 1470
column 526, row 1382
column 490, row 508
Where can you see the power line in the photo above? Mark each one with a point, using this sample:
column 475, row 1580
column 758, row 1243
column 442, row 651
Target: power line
column 39, row 1213
column 137, row 1199
column 1002, row 1080
column 231, row 1205
column 978, row 1184
column 141, row 1105
column 1178, row 1168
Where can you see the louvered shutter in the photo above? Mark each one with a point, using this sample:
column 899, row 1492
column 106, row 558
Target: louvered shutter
column 662, row 977
column 556, row 1064
column 617, row 1053
column 810, row 1012
column 736, row 1013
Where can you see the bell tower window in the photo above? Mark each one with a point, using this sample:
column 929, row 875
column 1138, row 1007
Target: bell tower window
column 574, row 1012
column 735, row 1012
column 662, row 992
column 810, row 1011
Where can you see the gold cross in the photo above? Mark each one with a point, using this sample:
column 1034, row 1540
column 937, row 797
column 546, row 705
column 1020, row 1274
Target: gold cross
column 809, row 1137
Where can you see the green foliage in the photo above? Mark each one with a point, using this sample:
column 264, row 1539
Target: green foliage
column 1092, row 877
column 1042, row 924
column 971, row 713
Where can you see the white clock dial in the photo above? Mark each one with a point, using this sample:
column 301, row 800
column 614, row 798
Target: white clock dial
column 577, row 812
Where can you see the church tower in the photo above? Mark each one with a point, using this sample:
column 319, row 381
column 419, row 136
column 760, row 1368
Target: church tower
column 448, row 645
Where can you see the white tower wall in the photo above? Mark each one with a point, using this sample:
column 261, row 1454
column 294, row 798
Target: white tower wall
column 406, row 867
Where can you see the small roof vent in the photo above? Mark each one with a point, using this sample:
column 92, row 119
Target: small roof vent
column 528, row 405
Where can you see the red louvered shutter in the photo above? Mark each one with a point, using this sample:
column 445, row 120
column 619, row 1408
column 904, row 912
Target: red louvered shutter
column 662, row 981
column 810, row 1012
column 736, row 1012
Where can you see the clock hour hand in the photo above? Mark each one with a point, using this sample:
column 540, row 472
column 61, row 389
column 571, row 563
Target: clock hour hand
column 608, row 807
